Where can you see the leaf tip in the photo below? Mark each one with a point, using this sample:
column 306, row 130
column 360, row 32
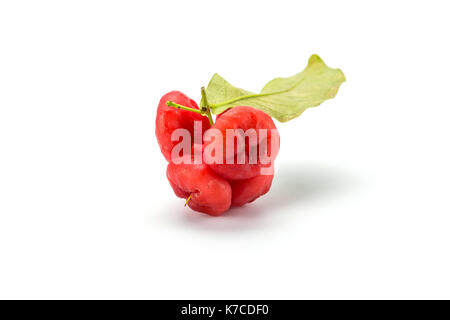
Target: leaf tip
column 215, row 75
column 314, row 59
column 342, row 74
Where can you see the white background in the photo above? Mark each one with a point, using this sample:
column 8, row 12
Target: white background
column 359, row 207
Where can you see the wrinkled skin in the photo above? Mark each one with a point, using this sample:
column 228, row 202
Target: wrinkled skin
column 246, row 191
column 214, row 188
column 243, row 118
column 169, row 119
column 209, row 192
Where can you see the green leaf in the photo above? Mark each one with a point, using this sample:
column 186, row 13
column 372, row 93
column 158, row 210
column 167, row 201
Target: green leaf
column 282, row 98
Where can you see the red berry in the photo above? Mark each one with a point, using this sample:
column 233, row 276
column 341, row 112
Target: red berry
column 169, row 119
column 208, row 192
column 243, row 118
column 245, row 191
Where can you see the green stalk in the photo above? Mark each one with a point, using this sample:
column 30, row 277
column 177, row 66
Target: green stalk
column 205, row 106
column 179, row 106
column 205, row 109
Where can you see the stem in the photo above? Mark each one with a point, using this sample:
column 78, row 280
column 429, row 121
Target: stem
column 179, row 106
column 205, row 106
column 208, row 114
column 256, row 95
column 187, row 200
column 205, row 109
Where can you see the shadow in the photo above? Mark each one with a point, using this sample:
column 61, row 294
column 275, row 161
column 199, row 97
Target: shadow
column 300, row 184
column 295, row 186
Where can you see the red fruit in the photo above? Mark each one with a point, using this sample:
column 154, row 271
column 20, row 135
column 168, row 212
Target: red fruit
column 169, row 119
column 245, row 191
column 243, row 118
column 209, row 193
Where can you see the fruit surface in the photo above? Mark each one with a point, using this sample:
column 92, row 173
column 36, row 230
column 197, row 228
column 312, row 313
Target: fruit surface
column 245, row 191
column 244, row 118
column 169, row 119
column 209, row 193
column 212, row 188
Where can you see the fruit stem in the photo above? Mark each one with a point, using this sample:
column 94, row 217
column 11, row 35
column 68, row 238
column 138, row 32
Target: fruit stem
column 205, row 106
column 179, row 106
column 205, row 110
column 187, row 200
